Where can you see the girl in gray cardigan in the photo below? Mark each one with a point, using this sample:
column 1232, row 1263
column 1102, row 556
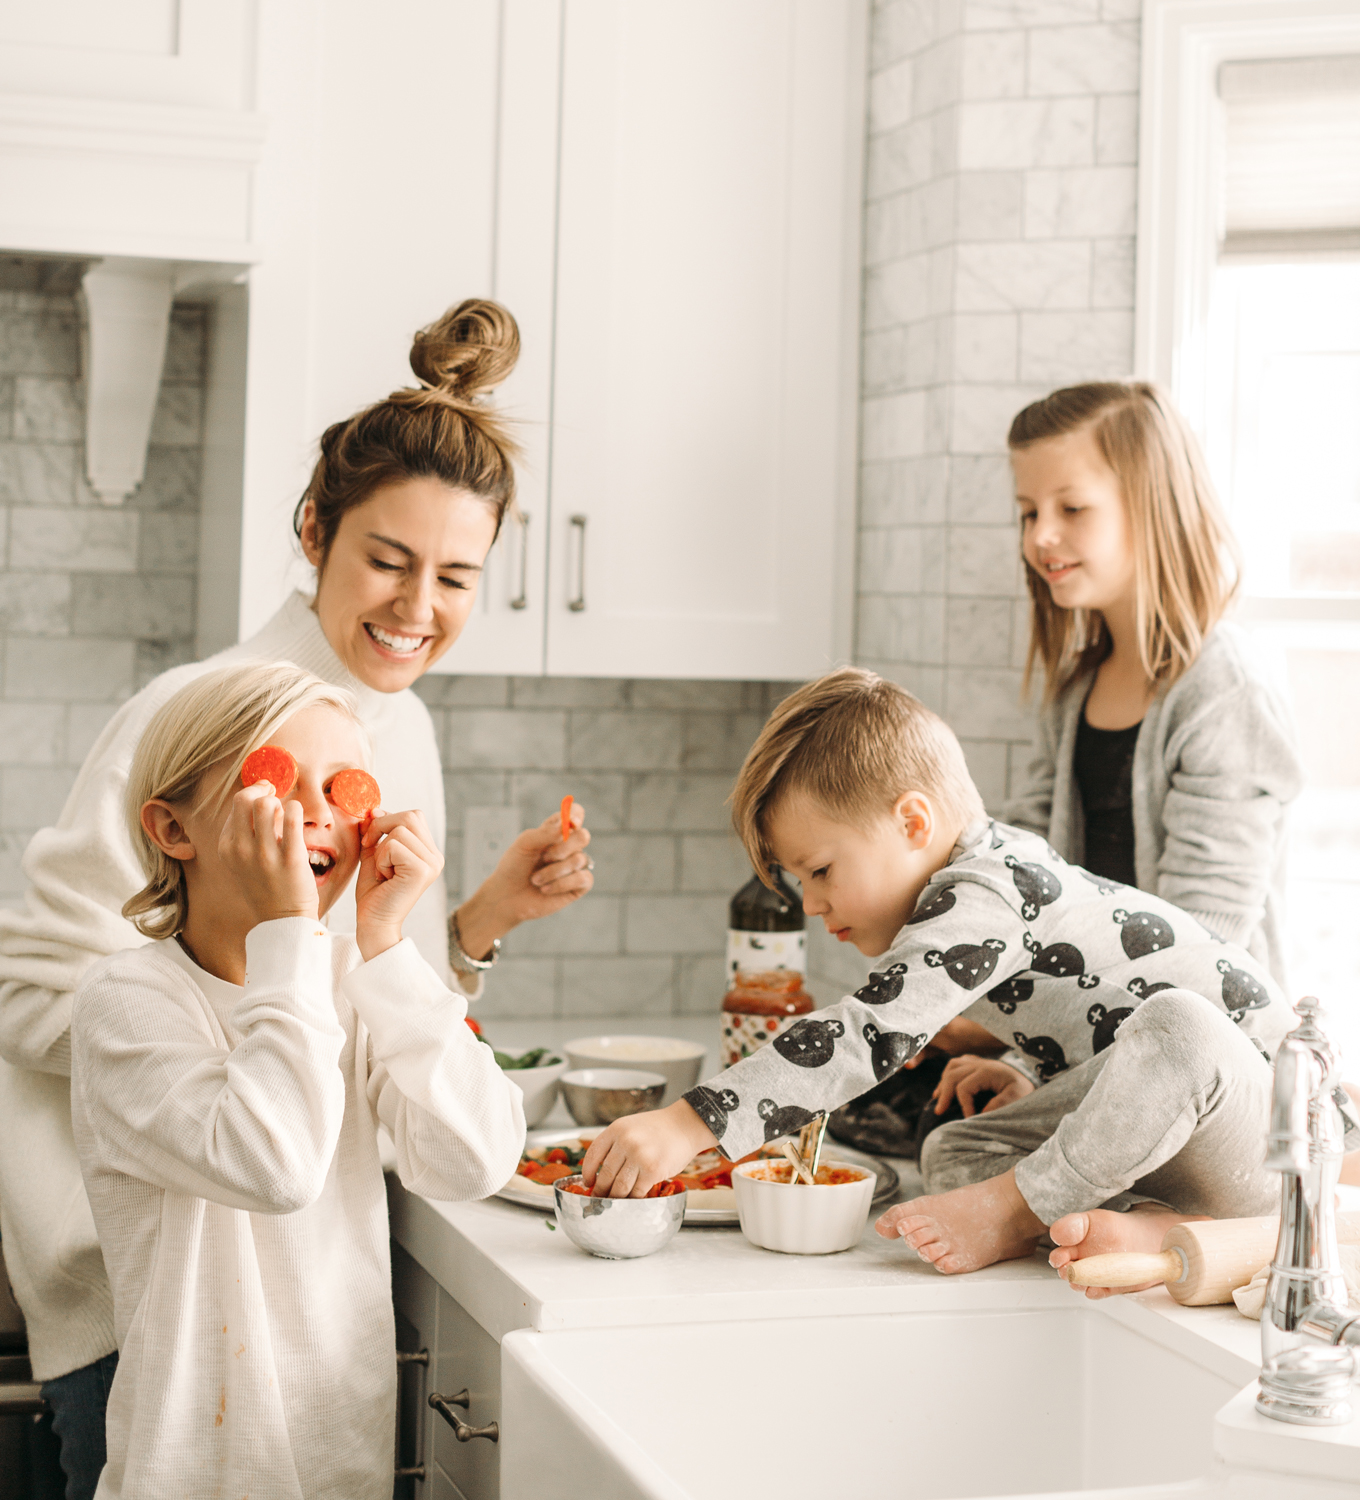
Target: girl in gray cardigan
column 1163, row 758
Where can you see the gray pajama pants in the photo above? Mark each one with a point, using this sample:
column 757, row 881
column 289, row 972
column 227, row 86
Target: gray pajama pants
column 1176, row 1110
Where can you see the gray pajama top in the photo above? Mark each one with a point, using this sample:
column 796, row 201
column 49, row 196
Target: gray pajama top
column 1047, row 957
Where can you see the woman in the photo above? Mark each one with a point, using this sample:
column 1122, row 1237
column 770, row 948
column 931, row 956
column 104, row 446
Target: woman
column 403, row 505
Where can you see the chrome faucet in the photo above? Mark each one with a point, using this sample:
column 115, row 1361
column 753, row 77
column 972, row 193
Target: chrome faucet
column 1308, row 1331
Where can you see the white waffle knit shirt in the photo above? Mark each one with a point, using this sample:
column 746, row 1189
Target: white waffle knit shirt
column 227, row 1137
column 79, row 874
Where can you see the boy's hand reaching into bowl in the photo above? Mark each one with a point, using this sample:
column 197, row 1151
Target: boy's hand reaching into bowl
column 262, row 844
column 398, row 863
column 630, row 1156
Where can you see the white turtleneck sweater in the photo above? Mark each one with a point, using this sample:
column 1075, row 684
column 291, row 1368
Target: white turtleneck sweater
column 80, row 873
column 228, row 1136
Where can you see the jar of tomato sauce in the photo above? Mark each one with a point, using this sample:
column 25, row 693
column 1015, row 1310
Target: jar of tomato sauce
column 757, row 1007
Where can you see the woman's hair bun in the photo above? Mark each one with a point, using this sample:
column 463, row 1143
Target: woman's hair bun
column 471, row 348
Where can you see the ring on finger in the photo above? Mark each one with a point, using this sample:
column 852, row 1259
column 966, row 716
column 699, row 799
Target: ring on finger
column 590, row 863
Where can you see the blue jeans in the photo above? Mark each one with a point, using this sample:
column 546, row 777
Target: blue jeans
column 78, row 1401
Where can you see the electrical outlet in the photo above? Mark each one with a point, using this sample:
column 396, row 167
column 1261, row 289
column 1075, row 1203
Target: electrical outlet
column 487, row 833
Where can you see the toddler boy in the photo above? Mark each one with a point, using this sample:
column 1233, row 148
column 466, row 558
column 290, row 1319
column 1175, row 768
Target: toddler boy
column 1149, row 1039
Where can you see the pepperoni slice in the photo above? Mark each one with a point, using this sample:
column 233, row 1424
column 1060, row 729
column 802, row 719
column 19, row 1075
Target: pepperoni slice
column 273, row 764
column 566, row 819
column 355, row 792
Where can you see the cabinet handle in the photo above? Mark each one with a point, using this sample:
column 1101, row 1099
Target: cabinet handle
column 408, row 1471
column 461, row 1430
column 521, row 600
column 579, row 602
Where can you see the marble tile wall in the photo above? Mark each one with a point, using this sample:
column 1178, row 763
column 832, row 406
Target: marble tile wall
column 652, row 762
column 93, row 601
column 999, row 228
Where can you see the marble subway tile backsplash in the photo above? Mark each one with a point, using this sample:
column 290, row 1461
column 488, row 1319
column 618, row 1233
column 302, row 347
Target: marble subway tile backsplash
column 93, row 601
column 653, row 763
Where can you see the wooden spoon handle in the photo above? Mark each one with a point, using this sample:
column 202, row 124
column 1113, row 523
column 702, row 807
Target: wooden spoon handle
column 1124, row 1269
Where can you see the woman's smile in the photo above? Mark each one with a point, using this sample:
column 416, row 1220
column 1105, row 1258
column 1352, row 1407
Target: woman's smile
column 391, row 644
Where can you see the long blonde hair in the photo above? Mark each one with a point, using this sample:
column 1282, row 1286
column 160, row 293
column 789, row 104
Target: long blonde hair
column 221, row 716
column 1186, row 563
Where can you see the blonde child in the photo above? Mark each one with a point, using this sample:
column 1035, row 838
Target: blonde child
column 1146, row 1031
column 227, row 1083
column 1163, row 759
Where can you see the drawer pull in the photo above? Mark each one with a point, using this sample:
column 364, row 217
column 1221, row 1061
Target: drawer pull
column 461, row 1430
column 407, row 1471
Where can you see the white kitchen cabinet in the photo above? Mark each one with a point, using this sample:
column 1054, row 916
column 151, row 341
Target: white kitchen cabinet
column 667, row 197
column 704, row 371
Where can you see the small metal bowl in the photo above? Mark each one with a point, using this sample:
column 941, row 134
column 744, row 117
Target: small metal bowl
column 599, row 1096
column 618, row 1228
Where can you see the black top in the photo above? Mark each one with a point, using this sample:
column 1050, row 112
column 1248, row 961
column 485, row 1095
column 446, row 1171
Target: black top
column 1103, row 766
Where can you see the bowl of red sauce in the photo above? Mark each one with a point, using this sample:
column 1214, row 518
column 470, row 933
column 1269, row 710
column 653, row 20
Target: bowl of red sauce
column 618, row 1228
column 798, row 1218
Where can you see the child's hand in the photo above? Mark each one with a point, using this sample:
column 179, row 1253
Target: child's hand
column 955, row 1038
column 398, row 863
column 634, row 1153
column 966, row 1077
column 538, row 874
column 263, row 846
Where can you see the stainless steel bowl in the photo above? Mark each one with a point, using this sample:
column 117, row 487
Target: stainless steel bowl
column 599, row 1096
column 618, row 1228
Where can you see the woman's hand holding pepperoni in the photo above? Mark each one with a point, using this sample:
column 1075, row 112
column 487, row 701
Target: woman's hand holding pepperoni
column 263, row 846
column 398, row 862
column 540, row 873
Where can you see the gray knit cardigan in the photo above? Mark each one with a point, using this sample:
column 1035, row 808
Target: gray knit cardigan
column 1214, row 771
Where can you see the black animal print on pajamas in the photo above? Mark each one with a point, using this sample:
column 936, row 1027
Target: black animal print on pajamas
column 810, row 1044
column 888, row 1050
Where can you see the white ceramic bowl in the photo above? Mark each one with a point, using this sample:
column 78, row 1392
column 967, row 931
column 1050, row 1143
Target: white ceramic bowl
column 599, row 1096
column 679, row 1062
column 538, row 1085
column 802, row 1220
column 617, row 1228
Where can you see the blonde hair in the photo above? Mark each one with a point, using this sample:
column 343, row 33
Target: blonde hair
column 221, row 716
column 1186, row 562
column 854, row 742
column 443, row 429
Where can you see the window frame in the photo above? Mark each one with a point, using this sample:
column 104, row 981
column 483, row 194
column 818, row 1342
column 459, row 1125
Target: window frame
column 1180, row 196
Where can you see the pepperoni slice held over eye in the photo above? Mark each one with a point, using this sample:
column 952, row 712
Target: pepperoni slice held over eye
column 355, row 792
column 273, row 764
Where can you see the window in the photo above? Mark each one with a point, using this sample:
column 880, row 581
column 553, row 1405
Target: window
column 1283, row 430
column 1249, row 310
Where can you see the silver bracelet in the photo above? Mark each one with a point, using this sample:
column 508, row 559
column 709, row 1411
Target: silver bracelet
column 461, row 958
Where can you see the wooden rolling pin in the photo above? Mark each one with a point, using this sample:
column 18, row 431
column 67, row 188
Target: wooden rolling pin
column 1200, row 1263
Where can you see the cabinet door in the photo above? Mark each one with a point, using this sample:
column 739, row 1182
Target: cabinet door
column 705, row 369
column 469, row 1357
column 505, row 630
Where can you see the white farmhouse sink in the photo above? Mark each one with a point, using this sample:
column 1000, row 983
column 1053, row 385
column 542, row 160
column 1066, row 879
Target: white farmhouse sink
column 913, row 1406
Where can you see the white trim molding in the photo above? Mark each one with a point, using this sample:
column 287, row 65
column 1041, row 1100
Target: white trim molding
column 101, row 177
column 1180, row 176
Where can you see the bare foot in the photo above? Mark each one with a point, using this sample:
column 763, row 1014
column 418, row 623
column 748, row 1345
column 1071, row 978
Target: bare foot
column 967, row 1229
column 1100, row 1231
